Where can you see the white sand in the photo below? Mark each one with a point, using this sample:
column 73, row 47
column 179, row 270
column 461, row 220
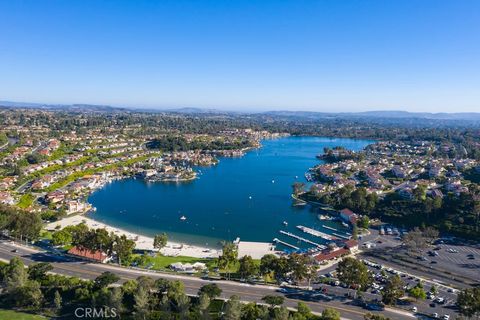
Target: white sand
column 142, row 242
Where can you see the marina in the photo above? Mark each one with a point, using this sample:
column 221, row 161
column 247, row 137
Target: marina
column 321, row 246
column 231, row 199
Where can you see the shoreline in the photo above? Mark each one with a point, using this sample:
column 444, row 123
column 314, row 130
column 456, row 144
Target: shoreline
column 142, row 242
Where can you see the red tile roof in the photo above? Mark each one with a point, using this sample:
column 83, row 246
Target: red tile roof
column 332, row 254
column 88, row 254
column 351, row 243
column 347, row 212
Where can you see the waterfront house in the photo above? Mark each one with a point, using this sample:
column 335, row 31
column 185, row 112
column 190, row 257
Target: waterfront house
column 75, row 206
column 348, row 216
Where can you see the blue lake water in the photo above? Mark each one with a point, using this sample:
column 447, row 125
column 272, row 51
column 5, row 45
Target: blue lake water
column 236, row 198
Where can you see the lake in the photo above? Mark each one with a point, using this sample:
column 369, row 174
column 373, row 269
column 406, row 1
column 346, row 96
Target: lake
column 247, row 197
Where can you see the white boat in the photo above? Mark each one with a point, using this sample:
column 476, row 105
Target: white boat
column 273, row 181
column 250, row 197
column 285, row 223
column 183, row 218
column 323, row 217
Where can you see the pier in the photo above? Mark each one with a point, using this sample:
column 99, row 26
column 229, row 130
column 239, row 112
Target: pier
column 302, row 239
column 329, row 228
column 346, row 236
column 315, row 233
column 341, row 236
column 285, row 244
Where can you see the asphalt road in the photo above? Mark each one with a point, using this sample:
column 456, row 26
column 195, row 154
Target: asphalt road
column 247, row 292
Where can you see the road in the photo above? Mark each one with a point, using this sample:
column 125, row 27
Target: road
column 85, row 270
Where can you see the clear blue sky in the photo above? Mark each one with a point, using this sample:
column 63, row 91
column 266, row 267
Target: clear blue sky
column 335, row 55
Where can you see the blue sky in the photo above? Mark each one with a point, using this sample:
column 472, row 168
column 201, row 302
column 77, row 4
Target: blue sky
column 244, row 55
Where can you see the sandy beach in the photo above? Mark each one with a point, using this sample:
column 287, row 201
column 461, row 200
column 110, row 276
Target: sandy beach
column 142, row 242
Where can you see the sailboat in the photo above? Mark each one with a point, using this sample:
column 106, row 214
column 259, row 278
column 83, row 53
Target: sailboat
column 183, row 218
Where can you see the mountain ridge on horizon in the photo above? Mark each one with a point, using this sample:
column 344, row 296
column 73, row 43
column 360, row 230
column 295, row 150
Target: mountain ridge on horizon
column 290, row 113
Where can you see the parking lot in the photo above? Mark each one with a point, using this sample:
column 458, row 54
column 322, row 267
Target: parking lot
column 456, row 259
column 435, row 306
column 449, row 261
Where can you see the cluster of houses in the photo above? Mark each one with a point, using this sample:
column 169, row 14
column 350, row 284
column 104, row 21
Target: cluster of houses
column 396, row 167
column 17, row 154
column 50, row 146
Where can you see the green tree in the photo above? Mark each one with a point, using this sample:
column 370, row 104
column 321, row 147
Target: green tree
column 298, row 264
column 160, row 241
column 61, row 238
column 15, row 274
column 304, row 310
column 203, row 305
column 229, row 257
column 28, row 295
column 468, row 301
column 330, row 314
column 273, row 301
column 142, row 302
column 247, row 267
column 182, row 302
column 105, row 279
column 354, row 273
column 25, row 225
column 281, row 313
column 57, row 300
column 115, row 299
column 38, row 271
column 211, row 290
column 268, row 264
column 123, row 247
column 254, row 311
column 418, row 292
column 393, row 290
column 364, row 222
column 233, row 309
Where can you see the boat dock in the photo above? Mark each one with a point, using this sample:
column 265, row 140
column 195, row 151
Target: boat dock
column 286, row 244
column 346, row 236
column 341, row 236
column 329, row 228
column 302, row 239
column 316, row 233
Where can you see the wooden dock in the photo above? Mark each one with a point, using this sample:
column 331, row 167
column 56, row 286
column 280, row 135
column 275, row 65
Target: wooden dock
column 321, row 246
column 315, row 233
column 285, row 244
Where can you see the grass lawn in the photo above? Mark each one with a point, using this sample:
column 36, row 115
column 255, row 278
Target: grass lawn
column 26, row 201
column 11, row 314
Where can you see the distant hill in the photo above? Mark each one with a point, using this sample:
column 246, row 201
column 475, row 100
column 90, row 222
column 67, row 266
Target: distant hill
column 67, row 107
column 380, row 114
column 464, row 116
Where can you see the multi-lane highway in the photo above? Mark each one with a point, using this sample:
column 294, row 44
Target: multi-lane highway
column 247, row 292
